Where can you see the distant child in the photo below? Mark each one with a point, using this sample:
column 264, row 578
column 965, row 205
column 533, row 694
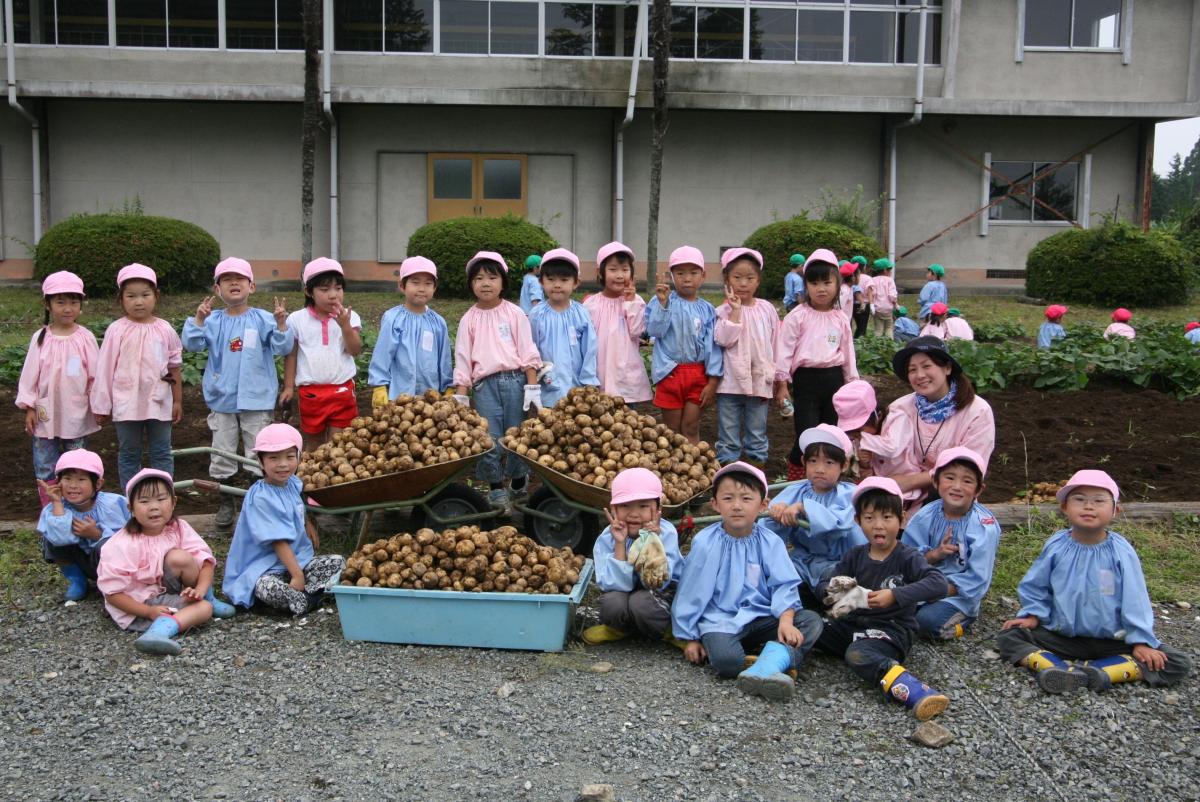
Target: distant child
column 816, row 517
column 562, row 329
column 738, row 593
column 846, row 292
column 1120, row 326
column 882, row 296
column 935, row 324
column 619, row 317
column 905, row 327
column 240, row 379
column 320, row 369
column 957, row 327
column 79, row 519
column 272, row 557
column 138, row 381
column 156, row 573
column 746, row 328
column 494, row 354
column 413, row 351
column 1085, row 619
column 858, row 411
column 815, row 348
column 633, row 601
column 875, row 641
column 862, row 296
column 793, row 282
column 1191, row 332
column 959, row 537
column 60, row 365
column 686, row 366
column 934, row 290
column 531, row 284
column 1052, row 330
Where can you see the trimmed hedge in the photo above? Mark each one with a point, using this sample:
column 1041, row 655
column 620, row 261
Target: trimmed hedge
column 1113, row 265
column 452, row 243
column 778, row 241
column 96, row 246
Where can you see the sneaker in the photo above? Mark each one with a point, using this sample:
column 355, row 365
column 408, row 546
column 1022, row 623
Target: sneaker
column 519, row 489
column 498, row 498
column 224, row 517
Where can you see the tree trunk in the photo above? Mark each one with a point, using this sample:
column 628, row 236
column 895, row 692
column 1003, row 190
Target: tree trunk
column 310, row 122
column 659, row 38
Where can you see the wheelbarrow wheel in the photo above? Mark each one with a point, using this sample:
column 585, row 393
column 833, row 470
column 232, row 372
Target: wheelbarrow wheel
column 578, row 530
column 455, row 501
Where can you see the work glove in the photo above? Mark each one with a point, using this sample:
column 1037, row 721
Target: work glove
column 649, row 558
column 545, row 374
column 533, row 396
column 462, row 399
column 845, row 595
column 379, row 396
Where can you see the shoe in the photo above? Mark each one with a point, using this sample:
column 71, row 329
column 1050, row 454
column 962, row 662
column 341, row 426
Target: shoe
column 220, row 609
column 766, row 678
column 1062, row 680
column 77, row 584
column 225, row 513
column 918, row 697
column 157, row 639
column 518, row 489
column 603, row 633
column 498, row 498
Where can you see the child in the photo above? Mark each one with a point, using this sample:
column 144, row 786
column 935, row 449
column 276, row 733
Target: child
column 138, row 382
column 935, row 324
column 686, row 365
column 79, row 519
column 562, row 329
column 875, row 641
column 1085, row 617
column 240, row 380
column 847, row 290
column 815, row 518
column 934, row 290
column 531, row 285
column 56, row 378
column 905, row 327
column 858, row 412
column 1191, row 332
column 957, row 328
column 882, row 295
column 745, row 331
column 815, row 348
column 793, row 282
column 1120, row 326
column 959, row 537
column 320, row 369
column 619, row 317
column 627, row 603
column 1052, row 330
column 156, row 572
column 412, row 354
column 272, row 555
column 738, row 592
column 495, row 354
column 862, row 293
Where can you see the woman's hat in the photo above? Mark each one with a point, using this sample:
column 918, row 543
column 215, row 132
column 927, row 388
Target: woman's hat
column 877, row 483
column 278, row 437
column 939, row 308
column 961, row 453
column 143, row 475
column 62, row 282
column 235, row 265
column 611, row 249
column 561, row 255
column 80, row 459
column 933, row 347
column 830, row 435
column 1121, row 315
column 732, row 254
column 489, row 256
column 322, row 264
column 937, row 270
column 636, row 484
column 417, row 264
column 1055, row 311
column 855, row 403
column 138, row 271
column 1088, row 478
column 741, row 467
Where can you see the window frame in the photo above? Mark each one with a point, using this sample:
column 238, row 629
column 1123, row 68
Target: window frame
column 1083, row 191
column 1124, row 35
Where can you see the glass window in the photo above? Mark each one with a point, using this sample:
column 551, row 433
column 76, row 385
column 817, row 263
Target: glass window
column 569, row 29
column 192, row 23
column 683, row 32
column 290, row 24
column 408, row 26
column 616, row 28
column 250, row 25
column 773, row 34
column 1073, row 23
column 1057, row 191
column 819, row 36
column 464, row 27
column 1016, row 207
column 501, row 179
column 358, row 25
column 452, row 179
column 719, row 32
column 1097, row 23
column 515, row 28
column 141, row 23
column 908, row 29
column 872, row 40
column 81, row 22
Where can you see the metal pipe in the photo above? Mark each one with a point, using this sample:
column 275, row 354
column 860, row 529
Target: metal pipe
column 639, row 45
column 327, row 104
column 915, row 119
column 35, row 128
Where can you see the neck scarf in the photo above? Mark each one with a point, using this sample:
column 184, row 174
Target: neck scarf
column 937, row 411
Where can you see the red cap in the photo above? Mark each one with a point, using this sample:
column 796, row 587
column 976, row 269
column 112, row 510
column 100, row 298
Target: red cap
column 939, row 308
column 847, row 268
column 1055, row 311
column 1121, row 315
column 1190, row 326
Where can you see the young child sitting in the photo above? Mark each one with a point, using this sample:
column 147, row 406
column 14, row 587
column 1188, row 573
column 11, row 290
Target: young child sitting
column 793, row 282
column 935, row 326
column 957, row 327
column 1120, row 325
column 1191, row 332
column 562, row 329
column 632, row 600
column 1052, row 330
column 531, row 284
column 875, row 641
column 738, row 592
column 156, row 573
column 959, row 537
column 934, row 291
column 272, row 556
column 1085, row 619
column 904, row 328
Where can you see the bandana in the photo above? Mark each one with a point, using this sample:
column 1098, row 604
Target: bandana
column 937, row 411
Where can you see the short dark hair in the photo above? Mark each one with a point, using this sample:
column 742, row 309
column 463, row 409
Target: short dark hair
column 962, row 463
column 46, row 318
column 144, row 488
column 819, row 271
column 559, row 268
column 492, row 267
column 825, row 450
column 621, row 257
column 95, row 479
column 743, row 478
column 879, row 500
column 322, row 280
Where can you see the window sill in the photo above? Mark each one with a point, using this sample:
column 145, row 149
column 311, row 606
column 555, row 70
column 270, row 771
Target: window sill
column 1028, row 223
column 1048, row 49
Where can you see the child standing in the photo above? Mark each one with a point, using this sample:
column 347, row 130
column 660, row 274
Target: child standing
column 494, row 353
column 862, row 296
column 882, row 295
column 745, row 331
column 56, row 378
column 320, row 369
column 957, row 328
column 138, row 382
column 1085, row 619
column 531, row 284
column 935, row 324
column 905, row 327
column 793, row 282
column 934, row 290
column 959, row 537
column 875, row 641
column 738, row 592
column 412, row 354
column 240, row 380
column 686, row 366
column 272, row 557
column 1052, row 330
column 846, row 299
column 619, row 317
column 562, row 329
column 1120, row 324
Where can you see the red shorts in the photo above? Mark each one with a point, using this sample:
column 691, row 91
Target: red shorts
column 326, row 405
column 681, row 386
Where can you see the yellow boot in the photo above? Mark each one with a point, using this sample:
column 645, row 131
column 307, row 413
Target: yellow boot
column 902, row 686
column 603, row 633
column 1106, row 672
column 1054, row 675
column 669, row 637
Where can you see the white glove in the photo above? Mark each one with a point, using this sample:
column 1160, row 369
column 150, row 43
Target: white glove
column 462, row 399
column 533, row 395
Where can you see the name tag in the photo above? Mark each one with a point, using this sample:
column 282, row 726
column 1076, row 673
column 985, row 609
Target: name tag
column 1108, row 582
column 427, row 341
column 753, row 574
column 505, row 332
column 573, row 336
column 832, row 338
column 74, row 366
column 250, row 338
column 696, row 325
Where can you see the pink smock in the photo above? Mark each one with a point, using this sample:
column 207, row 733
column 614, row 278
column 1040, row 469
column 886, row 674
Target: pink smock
column 55, row 381
column 749, row 349
column 491, row 341
column 906, row 444
column 958, row 329
column 808, row 338
column 883, row 293
column 1121, row 330
column 131, row 374
column 619, row 326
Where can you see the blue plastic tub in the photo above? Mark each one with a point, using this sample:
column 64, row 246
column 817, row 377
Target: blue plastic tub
column 531, row 621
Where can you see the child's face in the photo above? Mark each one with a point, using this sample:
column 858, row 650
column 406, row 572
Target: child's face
column 152, row 507
column 822, row 293
column 64, row 309
column 559, row 288
column 234, row 289
column 636, row 514
column 77, row 487
column 617, row 275
column 328, row 297
column 738, row 505
column 929, row 274
column 823, row 471
column 959, row 487
column 688, row 279
column 279, row 466
column 880, row 526
column 1090, row 509
column 138, row 299
column 486, row 286
column 419, row 289
column 742, row 279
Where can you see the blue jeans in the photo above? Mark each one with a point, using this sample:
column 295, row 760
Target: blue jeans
column 498, row 400
column 735, row 413
column 47, row 450
column 129, row 447
column 933, row 617
column 727, row 651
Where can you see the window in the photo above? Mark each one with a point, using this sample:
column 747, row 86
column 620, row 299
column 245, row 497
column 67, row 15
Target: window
column 1037, row 202
column 80, row 22
column 1085, row 24
column 569, row 29
column 844, row 31
column 144, row 23
column 358, row 26
column 616, row 28
column 250, row 25
column 141, row 23
column 408, row 26
column 476, row 185
column 514, row 28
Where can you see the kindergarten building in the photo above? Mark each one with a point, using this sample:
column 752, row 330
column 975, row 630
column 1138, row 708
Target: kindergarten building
column 443, row 108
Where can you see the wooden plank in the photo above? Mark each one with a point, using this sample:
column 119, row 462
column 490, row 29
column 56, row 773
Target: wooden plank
column 1010, row 515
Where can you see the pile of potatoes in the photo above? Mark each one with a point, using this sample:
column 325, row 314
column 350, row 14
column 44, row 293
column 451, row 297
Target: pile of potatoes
column 590, row 436
column 408, row 432
column 1042, row 493
column 464, row 559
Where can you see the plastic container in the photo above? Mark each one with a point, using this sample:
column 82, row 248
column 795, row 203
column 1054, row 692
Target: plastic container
column 531, row 621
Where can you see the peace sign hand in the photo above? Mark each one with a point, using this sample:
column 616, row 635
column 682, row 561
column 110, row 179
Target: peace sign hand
column 204, row 310
column 618, row 529
column 281, row 314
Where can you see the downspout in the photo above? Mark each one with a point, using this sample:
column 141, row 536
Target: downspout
column 639, row 45
column 36, row 133
column 327, row 103
column 915, row 119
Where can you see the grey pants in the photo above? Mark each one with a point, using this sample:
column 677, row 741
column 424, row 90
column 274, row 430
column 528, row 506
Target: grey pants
column 1017, row 643
column 647, row 612
column 88, row 561
column 727, row 651
column 273, row 589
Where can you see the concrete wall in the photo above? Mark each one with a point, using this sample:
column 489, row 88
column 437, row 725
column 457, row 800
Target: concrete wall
column 16, row 195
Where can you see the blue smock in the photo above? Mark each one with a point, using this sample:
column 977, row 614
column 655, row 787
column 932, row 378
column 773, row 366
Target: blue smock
column 683, row 333
column 933, row 292
column 614, row 574
column 240, row 375
column 906, row 326
column 567, row 339
column 531, row 290
column 269, row 513
column 793, row 289
column 110, row 512
column 412, row 354
column 977, row 535
column 1048, row 333
column 1193, row 336
column 831, row 530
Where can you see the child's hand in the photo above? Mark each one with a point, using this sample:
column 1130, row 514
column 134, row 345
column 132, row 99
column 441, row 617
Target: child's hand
column 297, row 582
column 787, row 514
column 1024, row 622
column 1152, row 659
column 85, row 528
column 100, row 419
column 789, row 634
column 281, row 314
column 662, row 291
column 30, row 420
column 709, row 392
column 191, row 594
column 177, row 411
column 880, row 599
column 616, row 528
column 731, row 298
column 342, row 315
column 53, row 492
column 158, row 610
column 204, row 310
column 285, row 396
column 630, row 291
column 781, row 393
column 944, row 549
column 695, row 653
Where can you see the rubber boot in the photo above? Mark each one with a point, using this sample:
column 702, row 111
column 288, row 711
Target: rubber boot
column 766, row 678
column 220, row 609
column 77, row 584
column 902, row 686
column 751, row 659
column 224, row 517
column 1054, row 675
column 669, row 637
column 603, row 633
column 157, row 639
column 795, row 472
column 45, row 499
column 953, row 628
column 1106, row 672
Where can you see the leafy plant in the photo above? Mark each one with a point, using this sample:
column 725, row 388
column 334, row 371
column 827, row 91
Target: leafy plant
column 999, row 332
column 850, row 210
column 779, row 240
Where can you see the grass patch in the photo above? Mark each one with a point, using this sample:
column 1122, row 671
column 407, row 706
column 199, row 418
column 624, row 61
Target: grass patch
column 23, row 572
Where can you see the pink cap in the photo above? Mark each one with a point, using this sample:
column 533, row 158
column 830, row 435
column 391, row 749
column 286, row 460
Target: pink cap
column 854, row 403
column 130, row 272
column 1055, row 311
column 1121, row 315
column 636, row 484
column 959, row 453
column 733, row 254
column 1190, row 326
column 562, row 254
column 847, row 268
column 488, row 256
column 1089, row 478
column 742, row 467
column 417, row 264
column 686, row 255
column 235, row 265
column 877, row 483
column 939, row 308
column 80, row 459
column 322, row 264
column 613, row 248
column 278, row 437
column 824, row 433
column 143, row 475
column 64, row 281
column 821, row 255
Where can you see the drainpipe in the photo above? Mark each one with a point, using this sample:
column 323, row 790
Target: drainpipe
column 915, row 119
column 10, row 57
column 327, row 102
column 639, row 45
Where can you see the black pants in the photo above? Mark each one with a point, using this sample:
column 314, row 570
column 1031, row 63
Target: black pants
column 812, row 394
column 861, row 318
column 869, row 648
column 1017, row 643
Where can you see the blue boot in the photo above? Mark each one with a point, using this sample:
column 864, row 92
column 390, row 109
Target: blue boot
column 902, row 686
column 220, row 609
column 766, row 678
column 77, row 586
column 157, row 639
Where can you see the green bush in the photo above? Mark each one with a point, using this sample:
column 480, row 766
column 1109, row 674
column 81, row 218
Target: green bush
column 1113, row 265
column 96, row 246
column 1189, row 238
column 452, row 243
column 779, row 240
column 998, row 332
